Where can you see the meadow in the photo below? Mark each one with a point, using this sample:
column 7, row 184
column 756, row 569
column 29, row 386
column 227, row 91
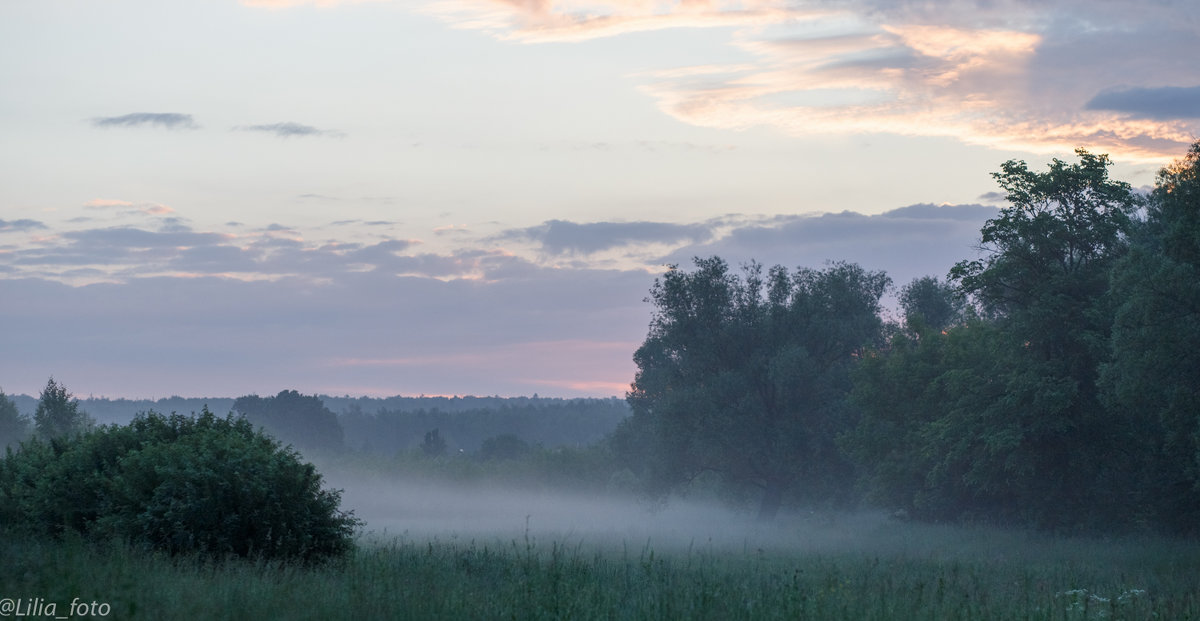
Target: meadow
column 815, row 566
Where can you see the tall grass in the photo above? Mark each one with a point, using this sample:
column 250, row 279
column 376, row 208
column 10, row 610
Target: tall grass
column 903, row 572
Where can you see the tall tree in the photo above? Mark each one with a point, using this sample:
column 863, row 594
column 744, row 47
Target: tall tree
column 747, row 377
column 1048, row 255
column 1156, row 345
column 1045, row 280
column 58, row 414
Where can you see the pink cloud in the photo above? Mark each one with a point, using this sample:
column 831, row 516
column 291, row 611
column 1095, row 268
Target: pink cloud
column 154, row 209
column 287, row 4
column 102, row 203
column 973, row 71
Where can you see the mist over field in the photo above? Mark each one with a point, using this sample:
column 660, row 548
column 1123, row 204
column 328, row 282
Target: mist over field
column 435, row 509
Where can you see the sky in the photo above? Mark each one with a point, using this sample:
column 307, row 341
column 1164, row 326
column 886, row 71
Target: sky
column 451, row 197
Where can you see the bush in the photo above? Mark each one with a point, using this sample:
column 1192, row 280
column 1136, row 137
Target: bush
column 178, row 484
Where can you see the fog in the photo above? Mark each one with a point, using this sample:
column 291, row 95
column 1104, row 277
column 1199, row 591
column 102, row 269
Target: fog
column 417, row 509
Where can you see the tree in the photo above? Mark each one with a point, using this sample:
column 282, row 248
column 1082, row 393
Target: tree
column 58, row 415
column 1156, row 345
column 747, row 378
column 929, row 304
column 296, row 419
column 1052, row 450
column 433, row 445
column 14, row 426
column 1048, row 257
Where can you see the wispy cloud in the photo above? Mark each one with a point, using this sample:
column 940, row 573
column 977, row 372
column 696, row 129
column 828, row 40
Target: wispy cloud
column 24, row 224
column 1006, row 74
column 289, row 130
column 129, row 207
column 908, row 242
column 1001, row 73
column 168, row 120
column 564, row 237
column 287, row 4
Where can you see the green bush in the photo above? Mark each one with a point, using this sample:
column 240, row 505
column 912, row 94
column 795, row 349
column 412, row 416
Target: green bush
column 178, row 484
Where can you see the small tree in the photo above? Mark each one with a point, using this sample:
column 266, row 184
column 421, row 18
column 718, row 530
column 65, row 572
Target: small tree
column 14, row 426
column 58, row 414
column 434, row 445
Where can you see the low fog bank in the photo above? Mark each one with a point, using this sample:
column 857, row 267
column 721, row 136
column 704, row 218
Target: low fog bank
column 428, row 510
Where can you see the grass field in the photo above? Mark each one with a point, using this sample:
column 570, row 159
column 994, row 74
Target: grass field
column 824, row 568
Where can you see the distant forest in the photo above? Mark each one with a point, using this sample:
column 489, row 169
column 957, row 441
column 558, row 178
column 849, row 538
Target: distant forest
column 390, row 424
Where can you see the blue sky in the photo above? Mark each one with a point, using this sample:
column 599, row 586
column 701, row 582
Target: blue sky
column 474, row 196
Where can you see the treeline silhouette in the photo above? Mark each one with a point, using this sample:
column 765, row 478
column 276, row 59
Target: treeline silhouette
column 378, row 425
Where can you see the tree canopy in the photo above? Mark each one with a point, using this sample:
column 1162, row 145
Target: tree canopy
column 1050, row 382
column 1006, row 417
column 746, row 377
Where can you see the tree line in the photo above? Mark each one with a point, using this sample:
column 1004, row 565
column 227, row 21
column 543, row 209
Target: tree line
column 1052, row 382
column 309, row 423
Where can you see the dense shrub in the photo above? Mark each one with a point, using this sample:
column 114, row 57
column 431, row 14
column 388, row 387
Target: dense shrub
column 179, row 484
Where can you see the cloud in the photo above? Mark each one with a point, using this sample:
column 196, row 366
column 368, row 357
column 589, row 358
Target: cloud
column 993, row 197
column 290, row 130
column 168, row 120
column 287, row 4
column 24, row 224
column 908, row 242
column 153, row 209
column 1163, row 103
column 563, row 237
column 104, row 203
column 173, row 309
column 225, row 336
column 1005, row 74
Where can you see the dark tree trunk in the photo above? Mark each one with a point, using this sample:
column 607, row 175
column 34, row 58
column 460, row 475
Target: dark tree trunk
column 772, row 498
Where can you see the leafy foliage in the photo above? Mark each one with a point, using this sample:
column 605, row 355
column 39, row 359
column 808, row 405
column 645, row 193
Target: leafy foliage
column 746, row 377
column 1006, row 418
column 1156, row 346
column 929, row 304
column 178, row 484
